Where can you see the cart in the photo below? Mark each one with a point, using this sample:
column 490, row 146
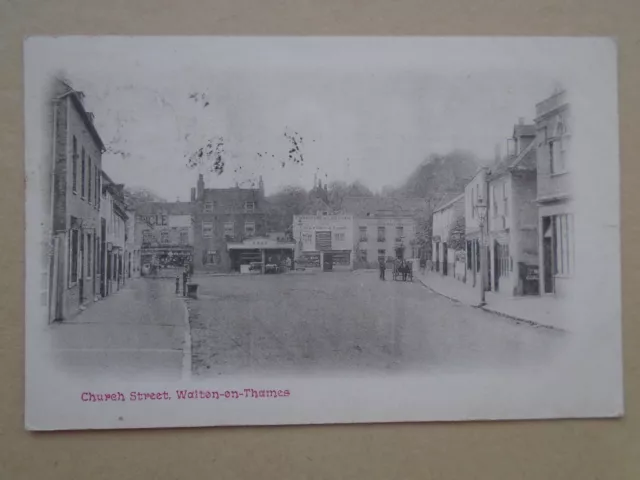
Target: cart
column 402, row 268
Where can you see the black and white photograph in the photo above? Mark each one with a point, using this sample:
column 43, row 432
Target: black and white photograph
column 320, row 230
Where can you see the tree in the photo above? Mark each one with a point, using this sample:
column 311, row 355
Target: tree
column 456, row 239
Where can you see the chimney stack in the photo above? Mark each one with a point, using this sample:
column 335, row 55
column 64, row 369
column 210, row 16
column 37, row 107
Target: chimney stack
column 200, row 187
column 193, row 194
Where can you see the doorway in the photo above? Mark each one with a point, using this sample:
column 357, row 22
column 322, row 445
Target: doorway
column 327, row 263
column 445, row 259
column 547, row 255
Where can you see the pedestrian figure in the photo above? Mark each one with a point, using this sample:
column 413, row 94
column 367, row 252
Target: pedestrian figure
column 177, row 284
column 185, row 278
column 382, row 268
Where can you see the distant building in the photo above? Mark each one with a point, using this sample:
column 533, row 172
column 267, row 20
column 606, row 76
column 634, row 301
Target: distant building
column 222, row 216
column 75, row 202
column 556, row 210
column 324, row 241
column 164, row 235
column 385, row 227
column 475, row 193
column 513, row 217
column 113, row 236
column 448, row 233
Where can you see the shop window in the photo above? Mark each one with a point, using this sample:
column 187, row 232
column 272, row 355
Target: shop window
column 207, row 229
column 363, row 234
column 339, row 237
column 229, row 230
column 249, row 229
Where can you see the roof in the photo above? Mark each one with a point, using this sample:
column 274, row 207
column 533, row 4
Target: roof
column 76, row 99
column 448, row 200
column 170, row 208
column 231, row 195
column 521, row 130
column 525, row 160
column 367, row 206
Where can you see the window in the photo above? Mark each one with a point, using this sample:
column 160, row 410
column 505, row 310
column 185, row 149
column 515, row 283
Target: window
column 363, row 234
column 505, row 199
column 82, row 172
column 399, row 233
column 495, row 200
column 164, row 237
column 473, row 202
column 73, row 256
column 469, row 256
column 363, row 255
column 307, row 237
column 208, row 207
column 229, row 230
column 338, row 237
column 249, row 229
column 382, row 234
column 557, row 155
column 382, row 253
column 98, row 186
column 147, row 237
column 89, row 257
column 249, row 206
column 207, row 229
column 90, row 172
column 184, row 238
column 563, row 244
column 74, row 165
column 503, row 260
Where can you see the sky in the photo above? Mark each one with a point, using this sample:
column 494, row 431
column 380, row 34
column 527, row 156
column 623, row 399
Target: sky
column 367, row 109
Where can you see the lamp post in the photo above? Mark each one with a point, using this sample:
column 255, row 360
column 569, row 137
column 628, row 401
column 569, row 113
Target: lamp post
column 481, row 210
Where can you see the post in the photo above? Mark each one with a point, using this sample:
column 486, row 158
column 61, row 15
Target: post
column 264, row 259
column 483, row 264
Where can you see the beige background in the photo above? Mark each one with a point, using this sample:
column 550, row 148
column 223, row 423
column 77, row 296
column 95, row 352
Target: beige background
column 596, row 449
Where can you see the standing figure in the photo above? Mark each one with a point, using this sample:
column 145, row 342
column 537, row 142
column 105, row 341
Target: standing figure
column 185, row 279
column 382, row 267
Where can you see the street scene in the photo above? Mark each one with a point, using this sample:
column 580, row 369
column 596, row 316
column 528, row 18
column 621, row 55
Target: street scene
column 260, row 249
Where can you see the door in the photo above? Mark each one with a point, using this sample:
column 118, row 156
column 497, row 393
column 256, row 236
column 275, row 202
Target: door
column 496, row 265
column 547, row 255
column 328, row 262
column 81, row 238
column 445, row 259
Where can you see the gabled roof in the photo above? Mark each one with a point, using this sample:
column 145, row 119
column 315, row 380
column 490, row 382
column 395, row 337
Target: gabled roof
column 525, row 160
column 87, row 118
column 448, row 200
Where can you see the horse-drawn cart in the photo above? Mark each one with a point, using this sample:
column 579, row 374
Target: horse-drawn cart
column 403, row 270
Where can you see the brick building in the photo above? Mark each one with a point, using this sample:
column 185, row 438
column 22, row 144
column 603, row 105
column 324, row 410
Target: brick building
column 513, row 217
column 113, row 236
column 75, row 202
column 164, row 235
column 556, row 224
column 222, row 216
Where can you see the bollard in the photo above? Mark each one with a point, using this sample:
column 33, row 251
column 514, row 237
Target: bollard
column 177, row 284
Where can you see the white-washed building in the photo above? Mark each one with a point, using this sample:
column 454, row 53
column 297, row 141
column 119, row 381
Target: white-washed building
column 324, row 241
column 113, row 235
column 448, row 233
column 513, row 217
column 475, row 193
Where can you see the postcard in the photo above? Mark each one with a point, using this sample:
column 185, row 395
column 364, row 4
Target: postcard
column 320, row 230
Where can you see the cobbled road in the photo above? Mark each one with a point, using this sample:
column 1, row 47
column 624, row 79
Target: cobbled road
column 350, row 321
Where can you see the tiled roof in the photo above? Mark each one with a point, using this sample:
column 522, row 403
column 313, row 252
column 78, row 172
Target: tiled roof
column 448, row 199
column 526, row 160
column 231, row 195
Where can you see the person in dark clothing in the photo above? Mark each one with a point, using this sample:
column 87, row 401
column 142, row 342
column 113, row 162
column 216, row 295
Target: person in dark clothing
column 382, row 268
column 185, row 279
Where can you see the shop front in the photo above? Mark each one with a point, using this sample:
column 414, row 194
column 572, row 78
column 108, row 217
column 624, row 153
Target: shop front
column 157, row 259
column 261, row 255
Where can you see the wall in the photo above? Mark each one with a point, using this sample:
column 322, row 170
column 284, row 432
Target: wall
column 476, row 188
column 307, row 225
column 372, row 245
column 552, row 184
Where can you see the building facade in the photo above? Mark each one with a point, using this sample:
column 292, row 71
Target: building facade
column 113, row 236
column 385, row 235
column 222, row 216
column 448, row 234
column 164, row 236
column 513, row 217
column 132, row 248
column 476, row 193
column 556, row 211
column 324, row 241
column 75, row 203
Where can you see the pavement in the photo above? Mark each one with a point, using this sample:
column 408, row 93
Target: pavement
column 351, row 321
column 141, row 328
column 539, row 311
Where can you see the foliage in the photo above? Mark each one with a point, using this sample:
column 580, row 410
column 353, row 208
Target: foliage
column 457, row 240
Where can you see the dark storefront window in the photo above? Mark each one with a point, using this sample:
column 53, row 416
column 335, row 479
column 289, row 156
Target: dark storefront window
column 74, row 165
column 74, row 256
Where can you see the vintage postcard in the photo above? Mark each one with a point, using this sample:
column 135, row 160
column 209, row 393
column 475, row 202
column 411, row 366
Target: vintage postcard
column 281, row 230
